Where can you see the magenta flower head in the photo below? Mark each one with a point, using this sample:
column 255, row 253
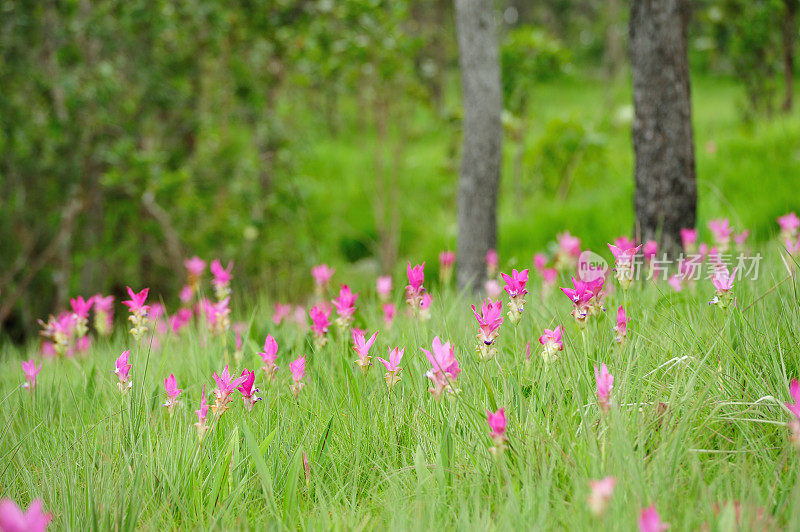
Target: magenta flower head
column 282, row 311
column 492, row 262
column 103, row 314
column 389, row 312
column 689, row 239
column 515, row 287
column 569, row 249
column 345, row 306
column 269, row 355
column 322, row 274
column 226, row 385
column 362, row 347
column 138, row 310
column 650, row 521
column 624, row 242
column 31, row 371
column 320, row 321
column 723, row 283
column 195, row 268
column 218, row 315
column 600, row 495
column 171, row 387
column 444, row 370
column 794, row 408
column 740, row 239
column 298, row 370
column 625, row 262
column 605, row 383
column 446, row 261
column 425, row 303
column 789, row 224
column 248, row 390
column 13, row 519
column 489, row 320
column 80, row 309
column 392, row 366
column 650, row 250
column 122, row 370
column 493, row 288
column 414, row 289
column 581, row 296
column 202, row 416
column 622, row 325
column 552, row 344
column 540, row 262
column 497, row 430
column 222, row 279
column 180, row 319
column 383, row 286
column 721, row 231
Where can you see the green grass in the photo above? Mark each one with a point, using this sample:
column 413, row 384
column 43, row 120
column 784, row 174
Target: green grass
column 684, row 436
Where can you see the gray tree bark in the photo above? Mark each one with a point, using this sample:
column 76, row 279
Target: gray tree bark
column 479, row 175
column 663, row 142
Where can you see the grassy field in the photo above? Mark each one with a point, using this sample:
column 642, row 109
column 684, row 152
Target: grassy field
column 696, row 423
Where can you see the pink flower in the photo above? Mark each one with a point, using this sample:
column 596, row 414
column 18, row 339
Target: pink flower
column 446, row 261
column 281, row 312
column 345, row 306
column 31, row 371
column 569, row 249
column 552, row 343
column 549, row 276
column 103, row 314
column 624, row 242
column 320, row 321
column 269, row 355
column 226, row 385
column 322, row 274
column 383, row 285
column 497, row 429
column 136, row 301
column 741, row 238
column 202, row 416
column 539, row 262
column 248, row 390
column 239, row 328
column 493, row 288
column 789, row 223
column 492, row 262
column 186, row 294
column 444, row 369
column 721, row 230
column 81, row 307
column 362, row 347
column 392, row 366
column 581, row 295
column 676, row 282
column 122, row 371
column 650, row 250
column 171, row 387
column 650, row 521
column 425, row 307
column 723, row 282
column 515, row 287
column 48, row 350
column 414, row 290
column 195, row 267
column 624, row 261
column 622, row 325
column 689, row 239
column 794, row 408
column 222, row 279
column 217, row 315
column 180, row 319
column 389, row 311
column 489, row 321
column 601, row 492
column 605, row 383
column 13, row 519
column 298, row 370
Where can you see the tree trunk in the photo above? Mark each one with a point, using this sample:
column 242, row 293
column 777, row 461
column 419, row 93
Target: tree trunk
column 666, row 190
column 788, row 52
column 482, row 137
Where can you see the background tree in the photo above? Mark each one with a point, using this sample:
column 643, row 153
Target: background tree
column 483, row 132
column 666, row 190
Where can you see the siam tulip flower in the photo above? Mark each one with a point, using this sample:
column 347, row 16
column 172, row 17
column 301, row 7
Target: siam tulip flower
column 362, row 347
column 13, row 519
column 650, row 250
column 269, row 355
column 595, row 286
column 549, row 278
column 322, row 274
column 80, row 310
column 239, row 329
column 794, row 408
column 83, row 344
column 527, row 352
column 345, row 307
column 171, row 387
column 180, row 319
column 650, row 521
column 157, row 311
column 489, row 320
column 299, row 317
column 497, row 430
column 446, row 261
column 248, row 390
column 320, row 321
column 383, row 286
column 601, row 492
column 195, row 267
column 702, row 250
column 721, row 231
column 186, row 294
column 492, row 263
column 493, row 288
column 103, row 314
column 222, row 279
column 793, row 249
column 414, row 290
column 790, row 224
column 605, row 383
column 48, row 350
column 298, row 370
column 217, row 315
column 392, row 365
column 723, row 282
column 138, row 312
column 281, row 312
column 444, row 371
column 569, row 249
column 624, row 262
column 515, row 287
column 122, row 370
column 689, row 240
column 676, row 282
column 226, row 385
column 31, row 371
column 552, row 343
column 425, row 307
column 202, row 416
column 740, row 239
column 624, row 242
column 389, row 312
column 307, row 469
column 59, row 330
column 622, row 325
column 581, row 296
column 539, row 262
